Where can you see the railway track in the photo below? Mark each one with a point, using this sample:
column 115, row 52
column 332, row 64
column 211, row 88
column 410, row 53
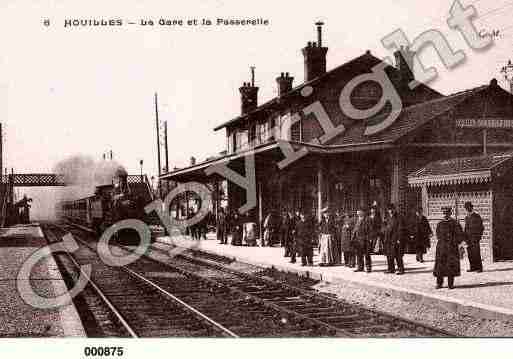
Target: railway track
column 337, row 317
column 356, row 321
column 148, row 298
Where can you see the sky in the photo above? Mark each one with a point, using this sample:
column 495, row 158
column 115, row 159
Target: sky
column 86, row 90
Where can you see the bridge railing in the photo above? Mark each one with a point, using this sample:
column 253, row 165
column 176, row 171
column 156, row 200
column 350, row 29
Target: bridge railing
column 33, row 179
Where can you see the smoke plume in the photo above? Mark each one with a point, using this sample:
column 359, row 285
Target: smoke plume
column 82, row 174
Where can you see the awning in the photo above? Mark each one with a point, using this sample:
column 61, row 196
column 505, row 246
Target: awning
column 272, row 149
column 453, row 179
column 465, row 170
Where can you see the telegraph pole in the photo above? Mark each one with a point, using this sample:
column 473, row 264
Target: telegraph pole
column 167, row 154
column 1, row 154
column 507, row 72
column 165, row 146
column 158, row 143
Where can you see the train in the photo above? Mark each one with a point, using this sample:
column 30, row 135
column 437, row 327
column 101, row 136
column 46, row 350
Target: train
column 124, row 198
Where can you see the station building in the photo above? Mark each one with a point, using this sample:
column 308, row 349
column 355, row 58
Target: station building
column 440, row 149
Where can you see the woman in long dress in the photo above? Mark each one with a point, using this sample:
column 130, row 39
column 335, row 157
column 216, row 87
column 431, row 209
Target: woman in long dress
column 447, row 259
column 327, row 230
column 249, row 238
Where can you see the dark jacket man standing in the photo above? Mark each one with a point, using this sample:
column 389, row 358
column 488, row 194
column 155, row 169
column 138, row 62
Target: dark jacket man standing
column 447, row 260
column 222, row 227
column 421, row 233
column 376, row 224
column 286, row 233
column 304, row 231
column 473, row 231
column 394, row 240
column 361, row 241
column 346, row 245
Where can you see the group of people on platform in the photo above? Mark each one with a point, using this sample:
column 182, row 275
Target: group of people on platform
column 342, row 239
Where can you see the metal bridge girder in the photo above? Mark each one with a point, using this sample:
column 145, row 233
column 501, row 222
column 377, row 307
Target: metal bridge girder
column 34, row 180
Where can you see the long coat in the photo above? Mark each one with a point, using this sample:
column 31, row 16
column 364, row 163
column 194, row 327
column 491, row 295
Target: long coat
column 304, row 233
column 346, row 233
column 473, row 228
column 421, row 233
column 361, row 235
column 395, row 241
column 236, row 229
column 286, row 228
column 447, row 259
column 375, row 228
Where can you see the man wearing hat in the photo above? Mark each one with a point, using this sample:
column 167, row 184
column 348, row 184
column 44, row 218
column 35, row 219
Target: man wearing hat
column 361, row 241
column 394, row 240
column 473, row 231
column 447, row 260
column 304, row 232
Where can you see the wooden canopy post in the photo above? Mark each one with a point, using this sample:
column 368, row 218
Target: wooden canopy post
column 320, row 183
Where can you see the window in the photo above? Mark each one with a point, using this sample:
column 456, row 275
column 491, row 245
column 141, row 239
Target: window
column 252, row 136
column 263, row 131
column 295, row 131
column 284, row 129
column 231, row 142
column 242, row 139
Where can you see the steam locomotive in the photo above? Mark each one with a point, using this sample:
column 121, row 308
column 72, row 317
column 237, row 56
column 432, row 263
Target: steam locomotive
column 125, row 198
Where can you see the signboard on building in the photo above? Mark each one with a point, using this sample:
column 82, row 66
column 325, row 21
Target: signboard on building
column 489, row 122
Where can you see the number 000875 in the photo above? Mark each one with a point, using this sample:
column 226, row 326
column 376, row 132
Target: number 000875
column 103, row 351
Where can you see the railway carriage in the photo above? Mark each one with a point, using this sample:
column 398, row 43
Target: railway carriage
column 111, row 203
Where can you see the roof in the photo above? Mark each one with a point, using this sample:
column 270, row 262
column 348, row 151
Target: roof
column 358, row 65
column 410, row 118
column 477, row 169
column 272, row 147
column 199, row 168
column 354, row 139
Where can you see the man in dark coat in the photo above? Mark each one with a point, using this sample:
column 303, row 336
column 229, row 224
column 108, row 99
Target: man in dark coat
column 236, row 227
column 473, row 231
column 421, row 235
column 346, row 246
column 361, row 241
column 376, row 224
column 286, row 234
column 222, row 235
column 394, row 242
column 339, row 223
column 447, row 260
column 304, row 235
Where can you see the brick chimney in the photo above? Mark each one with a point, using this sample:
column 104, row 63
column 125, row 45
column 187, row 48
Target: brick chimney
column 284, row 83
column 315, row 56
column 249, row 94
column 404, row 63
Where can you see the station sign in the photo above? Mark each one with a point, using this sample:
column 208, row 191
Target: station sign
column 490, row 122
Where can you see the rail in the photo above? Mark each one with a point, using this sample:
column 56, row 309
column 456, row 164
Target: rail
column 129, row 324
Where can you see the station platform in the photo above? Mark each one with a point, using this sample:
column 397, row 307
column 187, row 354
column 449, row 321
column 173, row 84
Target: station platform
column 487, row 295
column 17, row 318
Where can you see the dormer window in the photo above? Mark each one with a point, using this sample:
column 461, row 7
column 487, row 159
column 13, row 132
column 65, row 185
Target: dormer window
column 242, row 140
